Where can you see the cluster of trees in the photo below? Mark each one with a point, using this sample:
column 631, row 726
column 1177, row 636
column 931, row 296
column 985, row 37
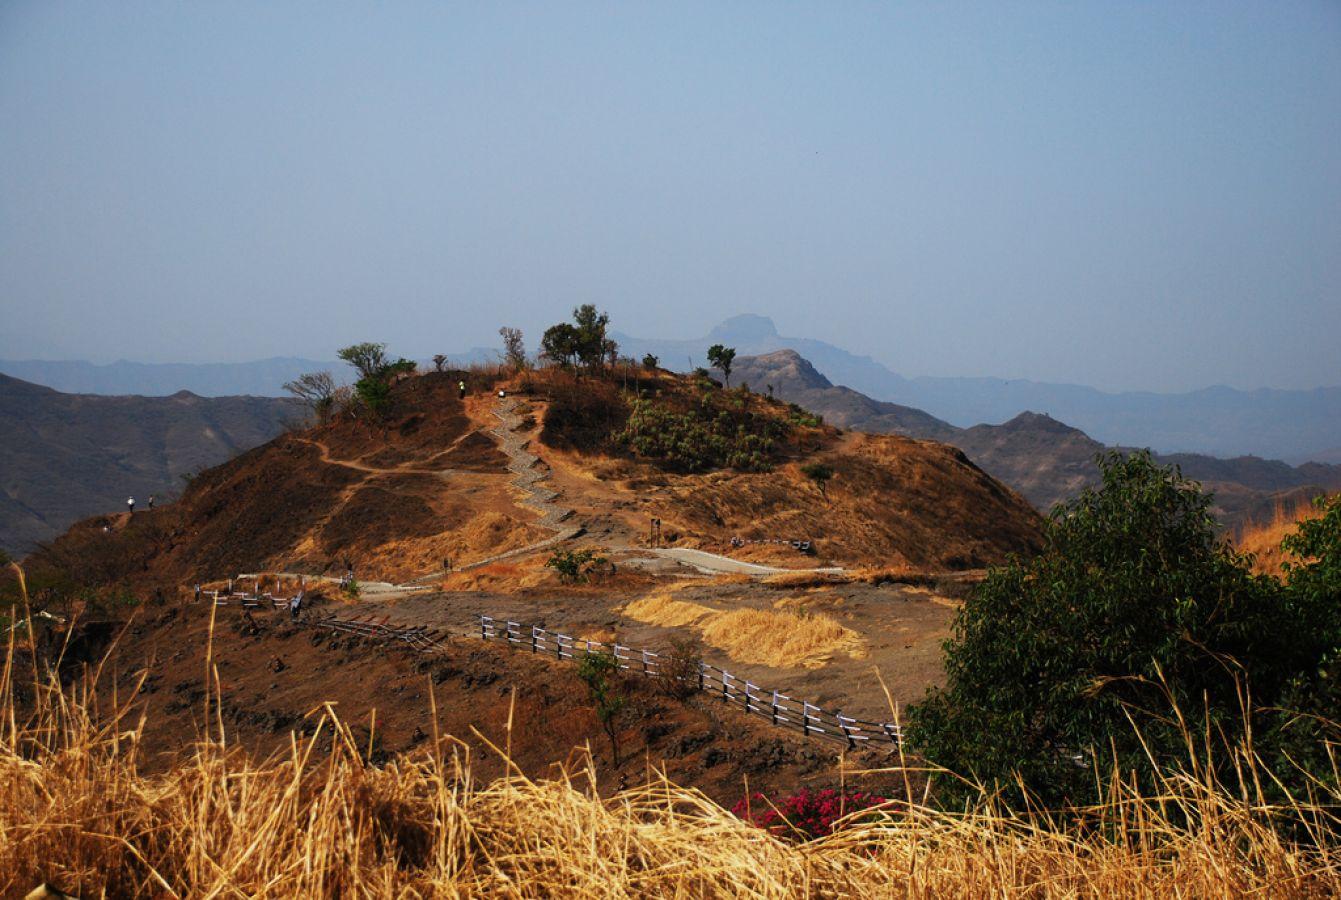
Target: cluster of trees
column 580, row 342
column 583, row 342
column 1140, row 642
column 376, row 373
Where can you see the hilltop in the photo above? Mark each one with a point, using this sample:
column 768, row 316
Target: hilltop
column 429, row 482
column 66, row 456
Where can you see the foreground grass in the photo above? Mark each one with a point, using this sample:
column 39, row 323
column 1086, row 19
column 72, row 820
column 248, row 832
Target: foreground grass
column 78, row 811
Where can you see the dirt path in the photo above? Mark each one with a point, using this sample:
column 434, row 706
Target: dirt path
column 715, row 563
column 374, row 470
column 526, row 478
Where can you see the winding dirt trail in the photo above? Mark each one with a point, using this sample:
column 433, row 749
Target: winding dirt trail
column 527, row 478
column 375, row 470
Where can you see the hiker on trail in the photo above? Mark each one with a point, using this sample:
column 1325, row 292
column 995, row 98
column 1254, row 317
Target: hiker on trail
column 461, row 385
column 130, row 505
column 295, row 605
column 198, row 593
column 151, row 501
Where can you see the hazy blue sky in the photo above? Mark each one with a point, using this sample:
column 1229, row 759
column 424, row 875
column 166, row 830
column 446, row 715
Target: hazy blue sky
column 1129, row 195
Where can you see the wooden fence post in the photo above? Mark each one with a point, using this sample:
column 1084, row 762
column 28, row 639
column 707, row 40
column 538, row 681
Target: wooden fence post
column 726, row 694
column 645, row 672
column 842, row 726
column 535, row 642
column 892, row 734
column 775, row 707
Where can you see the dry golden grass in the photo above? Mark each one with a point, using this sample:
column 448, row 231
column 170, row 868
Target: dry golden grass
column 781, row 639
column 1263, row 539
column 791, row 580
column 79, row 812
column 318, row 821
column 664, row 610
column 778, row 638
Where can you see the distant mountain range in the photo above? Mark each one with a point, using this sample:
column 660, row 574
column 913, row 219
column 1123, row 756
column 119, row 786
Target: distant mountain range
column 67, row 456
column 261, row 378
column 1290, row 425
column 1045, row 460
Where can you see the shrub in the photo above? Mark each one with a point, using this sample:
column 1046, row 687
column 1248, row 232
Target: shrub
column 679, row 669
column 576, row 565
column 702, row 437
column 599, row 671
column 1135, row 613
column 820, row 474
column 806, row 814
column 651, row 361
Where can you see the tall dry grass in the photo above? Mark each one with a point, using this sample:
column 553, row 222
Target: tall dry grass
column 1262, row 539
column 77, row 810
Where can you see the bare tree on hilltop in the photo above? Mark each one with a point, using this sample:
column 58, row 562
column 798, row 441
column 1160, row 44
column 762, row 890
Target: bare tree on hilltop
column 317, row 390
column 514, row 348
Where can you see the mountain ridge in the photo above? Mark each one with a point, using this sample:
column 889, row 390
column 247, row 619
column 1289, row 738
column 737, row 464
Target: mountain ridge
column 1045, row 459
column 1295, row 425
column 67, row 456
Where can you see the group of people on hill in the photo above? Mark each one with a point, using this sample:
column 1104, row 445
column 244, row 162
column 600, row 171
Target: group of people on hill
column 130, row 504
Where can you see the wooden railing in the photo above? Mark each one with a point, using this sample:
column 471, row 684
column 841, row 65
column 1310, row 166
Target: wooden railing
column 778, row 708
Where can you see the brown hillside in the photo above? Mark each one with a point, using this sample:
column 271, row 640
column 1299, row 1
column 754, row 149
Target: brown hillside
column 429, row 482
column 392, row 498
column 67, row 456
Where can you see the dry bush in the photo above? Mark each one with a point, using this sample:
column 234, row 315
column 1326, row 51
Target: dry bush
column 894, row 575
column 804, row 579
column 679, row 668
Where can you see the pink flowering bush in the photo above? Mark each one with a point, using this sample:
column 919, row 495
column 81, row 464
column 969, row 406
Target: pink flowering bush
column 805, row 814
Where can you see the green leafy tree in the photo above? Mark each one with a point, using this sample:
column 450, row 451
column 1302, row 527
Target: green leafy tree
column 1074, row 661
column 376, row 373
column 368, row 359
column 820, row 474
column 560, row 344
column 593, row 347
column 651, row 362
column 599, row 671
column 721, row 359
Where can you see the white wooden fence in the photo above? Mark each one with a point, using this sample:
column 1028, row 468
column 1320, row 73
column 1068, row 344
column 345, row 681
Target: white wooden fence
column 778, row 708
